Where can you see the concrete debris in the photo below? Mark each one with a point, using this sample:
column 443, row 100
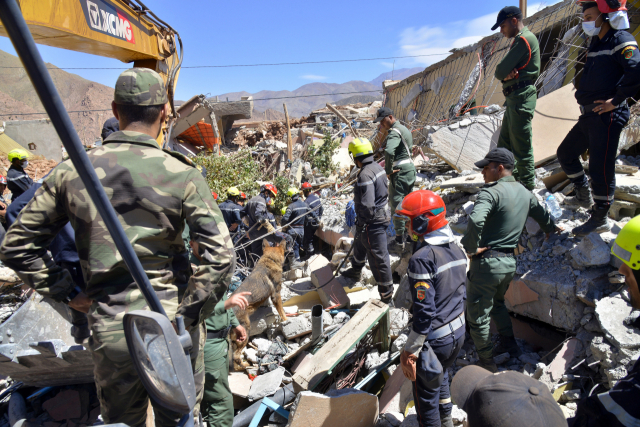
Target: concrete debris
column 611, row 313
column 591, row 251
column 266, row 384
column 348, row 407
column 399, row 320
column 296, row 327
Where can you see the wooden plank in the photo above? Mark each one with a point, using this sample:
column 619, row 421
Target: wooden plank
column 339, row 345
column 383, row 333
column 343, row 119
column 289, row 141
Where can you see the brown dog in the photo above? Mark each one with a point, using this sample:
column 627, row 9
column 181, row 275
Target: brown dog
column 265, row 281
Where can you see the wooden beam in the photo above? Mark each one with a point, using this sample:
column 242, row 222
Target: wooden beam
column 523, row 8
column 289, row 141
column 343, row 119
column 339, row 345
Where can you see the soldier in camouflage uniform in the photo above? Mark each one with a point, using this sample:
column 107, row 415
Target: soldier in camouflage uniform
column 153, row 192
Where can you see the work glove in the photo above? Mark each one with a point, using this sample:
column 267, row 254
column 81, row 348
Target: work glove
column 245, row 221
column 408, row 364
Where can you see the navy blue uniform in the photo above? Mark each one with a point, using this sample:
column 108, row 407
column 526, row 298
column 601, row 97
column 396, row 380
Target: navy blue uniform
column 437, row 277
column 370, row 197
column 313, row 201
column 296, row 219
column 231, row 214
column 256, row 212
column 610, row 72
column 17, row 181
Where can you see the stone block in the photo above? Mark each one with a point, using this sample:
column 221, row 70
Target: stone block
column 519, row 293
column 329, row 288
column 622, row 209
column 611, row 312
column 296, row 327
column 293, row 275
column 591, row 251
column 347, row 407
column 261, row 319
column 501, row 358
column 266, row 384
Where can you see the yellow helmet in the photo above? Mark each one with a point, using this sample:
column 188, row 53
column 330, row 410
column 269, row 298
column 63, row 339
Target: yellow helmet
column 360, row 147
column 292, row 191
column 18, row 153
column 627, row 244
column 233, row 191
column 283, row 211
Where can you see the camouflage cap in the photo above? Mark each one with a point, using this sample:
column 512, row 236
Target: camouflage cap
column 140, row 86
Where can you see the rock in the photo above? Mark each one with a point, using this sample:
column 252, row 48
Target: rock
column 262, row 344
column 532, row 226
column 531, row 358
column 458, row 415
column 571, row 395
column 251, row 354
column 261, row 319
column 568, row 413
column 501, row 358
column 340, row 318
column 64, row 405
column 374, row 360
column 399, row 320
column 296, row 327
column 611, row 312
column 398, row 343
column 591, row 251
column 540, row 367
column 266, row 384
column 614, row 375
column 572, row 406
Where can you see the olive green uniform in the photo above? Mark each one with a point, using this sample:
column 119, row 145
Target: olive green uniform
column 516, row 133
column 497, row 220
column 217, row 403
column 397, row 156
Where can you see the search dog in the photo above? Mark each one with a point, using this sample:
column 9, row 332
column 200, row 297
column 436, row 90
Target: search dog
column 265, row 281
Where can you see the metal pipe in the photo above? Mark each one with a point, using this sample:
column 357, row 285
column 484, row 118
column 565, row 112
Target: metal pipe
column 317, row 324
column 22, row 40
column 282, row 397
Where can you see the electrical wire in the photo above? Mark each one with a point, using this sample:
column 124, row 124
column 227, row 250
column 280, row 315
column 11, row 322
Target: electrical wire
column 258, row 65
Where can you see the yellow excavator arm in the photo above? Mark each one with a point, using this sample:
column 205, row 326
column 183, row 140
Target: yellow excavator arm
column 121, row 29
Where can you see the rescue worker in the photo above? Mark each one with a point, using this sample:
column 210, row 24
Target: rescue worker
column 399, row 167
column 314, row 203
column 437, row 274
column 611, row 75
column 17, row 179
column 296, row 217
column 110, row 126
column 257, row 222
column 149, row 187
column 619, row 406
column 3, row 203
column 370, row 198
column 495, row 225
column 231, row 210
column 242, row 199
column 215, row 195
column 518, row 72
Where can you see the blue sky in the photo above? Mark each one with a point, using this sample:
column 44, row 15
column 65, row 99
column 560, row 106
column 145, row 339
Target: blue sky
column 249, row 32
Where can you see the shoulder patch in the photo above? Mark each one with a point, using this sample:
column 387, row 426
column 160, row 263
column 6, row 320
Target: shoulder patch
column 627, row 52
column 421, row 290
column 184, row 159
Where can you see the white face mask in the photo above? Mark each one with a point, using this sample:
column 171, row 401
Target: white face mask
column 590, row 28
column 25, row 164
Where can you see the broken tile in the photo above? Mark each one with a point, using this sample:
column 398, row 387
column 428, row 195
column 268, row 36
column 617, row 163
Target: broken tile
column 519, row 293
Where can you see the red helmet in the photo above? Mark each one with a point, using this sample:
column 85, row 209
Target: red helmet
column 306, row 186
column 606, row 6
column 215, row 195
column 425, row 211
column 243, row 196
column 3, row 180
column 271, row 188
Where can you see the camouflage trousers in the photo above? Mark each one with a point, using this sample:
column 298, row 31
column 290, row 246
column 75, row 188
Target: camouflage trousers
column 123, row 398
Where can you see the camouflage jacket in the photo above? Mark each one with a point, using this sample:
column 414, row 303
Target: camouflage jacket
column 153, row 192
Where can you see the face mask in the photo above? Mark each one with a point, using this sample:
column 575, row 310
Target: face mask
column 619, row 20
column 590, row 28
column 25, row 164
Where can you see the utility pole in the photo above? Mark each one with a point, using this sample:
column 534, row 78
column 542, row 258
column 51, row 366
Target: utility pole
column 289, row 141
column 523, row 8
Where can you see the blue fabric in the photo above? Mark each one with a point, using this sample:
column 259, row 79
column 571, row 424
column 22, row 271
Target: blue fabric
column 391, row 230
column 63, row 246
column 350, row 214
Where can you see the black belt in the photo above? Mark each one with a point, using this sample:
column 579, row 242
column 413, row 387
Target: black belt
column 495, row 253
column 218, row 334
column 507, row 91
column 586, row 109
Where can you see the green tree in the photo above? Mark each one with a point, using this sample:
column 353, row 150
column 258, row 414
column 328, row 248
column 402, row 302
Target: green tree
column 322, row 157
column 238, row 170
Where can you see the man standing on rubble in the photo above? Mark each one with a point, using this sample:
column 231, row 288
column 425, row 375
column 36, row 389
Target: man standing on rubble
column 370, row 197
column 314, row 203
column 399, row 168
column 296, row 217
column 518, row 72
column 257, row 222
column 610, row 76
column 493, row 231
column 152, row 192
column 437, row 275
column 231, row 210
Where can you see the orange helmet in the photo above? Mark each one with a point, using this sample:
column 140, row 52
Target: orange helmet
column 306, row 186
column 606, row 6
column 243, row 196
column 215, row 195
column 272, row 188
column 425, row 211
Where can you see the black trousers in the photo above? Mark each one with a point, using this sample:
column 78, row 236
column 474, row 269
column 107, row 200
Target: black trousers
column 600, row 134
column 371, row 244
column 307, row 241
column 433, row 397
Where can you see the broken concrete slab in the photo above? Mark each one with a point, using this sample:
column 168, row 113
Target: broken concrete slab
column 240, row 384
column 623, row 209
column 329, row 288
column 473, row 181
column 398, row 389
column 296, row 327
column 399, row 320
column 591, row 251
column 339, row 345
column 266, row 384
column 563, row 359
column 611, row 312
column 347, row 407
column 519, row 293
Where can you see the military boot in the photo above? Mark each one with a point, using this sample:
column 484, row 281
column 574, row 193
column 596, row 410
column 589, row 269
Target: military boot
column 507, row 345
column 582, row 199
column 598, row 222
column 488, row 364
column 354, row 273
column 446, row 421
column 386, row 294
